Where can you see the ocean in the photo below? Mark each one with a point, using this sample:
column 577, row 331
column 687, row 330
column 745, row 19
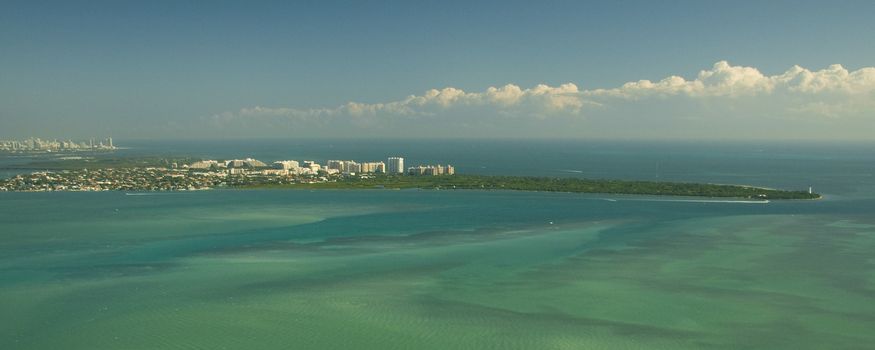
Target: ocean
column 443, row 269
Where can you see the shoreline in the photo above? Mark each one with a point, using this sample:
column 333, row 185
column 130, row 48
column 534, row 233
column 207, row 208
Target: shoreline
column 311, row 187
column 546, row 184
column 622, row 196
column 135, row 176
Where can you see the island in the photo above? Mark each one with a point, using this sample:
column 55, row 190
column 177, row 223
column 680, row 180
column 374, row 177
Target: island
column 548, row 184
column 187, row 174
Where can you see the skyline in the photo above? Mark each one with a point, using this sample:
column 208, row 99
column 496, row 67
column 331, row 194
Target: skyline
column 634, row 70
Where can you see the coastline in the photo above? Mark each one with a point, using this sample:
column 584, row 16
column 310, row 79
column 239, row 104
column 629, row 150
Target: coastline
column 309, row 187
column 560, row 185
column 162, row 175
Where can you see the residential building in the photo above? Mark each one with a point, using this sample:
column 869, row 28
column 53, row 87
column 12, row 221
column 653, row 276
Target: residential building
column 373, row 167
column 395, row 165
column 286, row 165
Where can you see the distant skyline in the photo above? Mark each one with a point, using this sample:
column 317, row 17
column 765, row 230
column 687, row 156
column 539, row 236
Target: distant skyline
column 631, row 69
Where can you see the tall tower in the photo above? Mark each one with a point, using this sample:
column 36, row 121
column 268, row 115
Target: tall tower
column 110, row 142
column 395, row 165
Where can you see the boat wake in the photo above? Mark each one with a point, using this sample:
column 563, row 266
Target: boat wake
column 765, row 201
column 151, row 193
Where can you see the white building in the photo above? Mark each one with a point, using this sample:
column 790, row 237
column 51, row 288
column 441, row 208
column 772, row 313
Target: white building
column 344, row 166
column 416, row 170
column 248, row 162
column 312, row 165
column 275, row 172
column 431, row 170
column 204, row 164
column 395, row 165
column 373, row 167
column 334, row 164
column 286, row 165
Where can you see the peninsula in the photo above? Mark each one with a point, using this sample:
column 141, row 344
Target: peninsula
column 170, row 175
column 550, row 184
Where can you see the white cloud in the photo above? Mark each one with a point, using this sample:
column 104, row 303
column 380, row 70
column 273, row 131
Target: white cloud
column 539, row 100
column 504, row 96
column 732, row 93
column 835, row 78
column 726, row 80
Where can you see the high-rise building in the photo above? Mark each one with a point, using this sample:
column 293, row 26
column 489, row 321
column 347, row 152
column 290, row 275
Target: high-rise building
column 373, row 167
column 312, row 165
column 335, row 164
column 395, row 165
column 353, row 168
column 431, row 170
column 416, row 170
column 344, row 166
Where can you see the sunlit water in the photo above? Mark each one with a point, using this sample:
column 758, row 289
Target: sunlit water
column 413, row 269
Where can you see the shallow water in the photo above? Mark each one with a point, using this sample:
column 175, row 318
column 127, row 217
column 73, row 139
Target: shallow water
column 383, row 269
column 431, row 269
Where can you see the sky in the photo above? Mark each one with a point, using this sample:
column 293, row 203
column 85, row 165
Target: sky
column 800, row 70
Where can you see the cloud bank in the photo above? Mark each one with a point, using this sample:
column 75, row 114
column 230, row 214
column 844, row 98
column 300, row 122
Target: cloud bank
column 726, row 80
column 723, row 101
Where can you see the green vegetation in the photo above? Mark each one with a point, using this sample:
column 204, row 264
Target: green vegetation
column 400, row 182
column 551, row 185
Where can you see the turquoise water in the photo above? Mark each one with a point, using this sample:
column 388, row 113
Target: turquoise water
column 383, row 269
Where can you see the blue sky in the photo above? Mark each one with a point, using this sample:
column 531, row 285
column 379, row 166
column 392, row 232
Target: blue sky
column 194, row 68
